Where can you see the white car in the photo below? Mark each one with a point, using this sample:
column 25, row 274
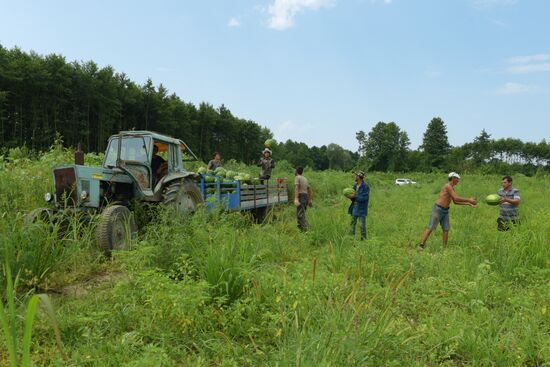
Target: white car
column 404, row 181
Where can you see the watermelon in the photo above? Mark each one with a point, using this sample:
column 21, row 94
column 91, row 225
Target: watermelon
column 201, row 170
column 348, row 192
column 492, row 199
column 269, row 143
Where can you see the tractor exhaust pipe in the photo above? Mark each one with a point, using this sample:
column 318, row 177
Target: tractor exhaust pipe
column 79, row 156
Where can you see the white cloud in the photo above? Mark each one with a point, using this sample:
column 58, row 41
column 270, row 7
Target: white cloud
column 529, row 68
column 528, row 59
column 515, row 88
column 234, row 22
column 528, row 64
column 282, row 12
column 291, row 130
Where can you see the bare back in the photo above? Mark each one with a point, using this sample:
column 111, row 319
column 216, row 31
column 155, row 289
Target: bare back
column 445, row 196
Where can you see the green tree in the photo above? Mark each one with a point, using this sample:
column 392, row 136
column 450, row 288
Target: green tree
column 482, row 148
column 435, row 143
column 385, row 148
column 338, row 157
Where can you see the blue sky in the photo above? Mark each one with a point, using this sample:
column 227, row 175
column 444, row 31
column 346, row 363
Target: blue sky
column 319, row 70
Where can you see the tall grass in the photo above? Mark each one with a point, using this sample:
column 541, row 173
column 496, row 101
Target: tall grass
column 218, row 289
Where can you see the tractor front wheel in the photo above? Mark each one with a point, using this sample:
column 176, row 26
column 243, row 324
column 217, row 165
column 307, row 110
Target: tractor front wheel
column 116, row 228
column 39, row 214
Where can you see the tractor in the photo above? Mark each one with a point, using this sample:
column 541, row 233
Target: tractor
column 133, row 170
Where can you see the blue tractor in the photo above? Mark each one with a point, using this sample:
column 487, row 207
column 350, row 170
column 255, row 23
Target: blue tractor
column 138, row 165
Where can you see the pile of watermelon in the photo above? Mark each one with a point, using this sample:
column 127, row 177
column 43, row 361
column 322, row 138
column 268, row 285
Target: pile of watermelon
column 226, row 176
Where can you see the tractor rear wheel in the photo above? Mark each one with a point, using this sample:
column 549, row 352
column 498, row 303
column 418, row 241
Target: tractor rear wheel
column 183, row 195
column 116, row 228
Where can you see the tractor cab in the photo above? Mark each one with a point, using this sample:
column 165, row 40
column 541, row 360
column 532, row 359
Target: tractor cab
column 150, row 159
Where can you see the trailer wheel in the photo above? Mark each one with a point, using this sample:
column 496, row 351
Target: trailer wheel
column 183, row 195
column 116, row 228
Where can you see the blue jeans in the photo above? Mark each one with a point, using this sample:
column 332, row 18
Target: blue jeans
column 362, row 224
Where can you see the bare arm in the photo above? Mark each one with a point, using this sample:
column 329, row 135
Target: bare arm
column 458, row 200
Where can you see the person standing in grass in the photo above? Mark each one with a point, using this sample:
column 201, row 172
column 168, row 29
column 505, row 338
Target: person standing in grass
column 509, row 202
column 440, row 210
column 216, row 162
column 359, row 204
column 302, row 198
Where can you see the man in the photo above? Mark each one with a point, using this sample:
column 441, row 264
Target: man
column 216, row 162
column 440, row 210
column 359, row 204
column 158, row 165
column 302, row 198
column 267, row 164
column 509, row 202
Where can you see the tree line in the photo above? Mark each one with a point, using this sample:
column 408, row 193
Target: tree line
column 41, row 96
column 387, row 148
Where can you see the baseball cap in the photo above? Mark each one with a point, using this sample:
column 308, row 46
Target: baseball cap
column 454, row 174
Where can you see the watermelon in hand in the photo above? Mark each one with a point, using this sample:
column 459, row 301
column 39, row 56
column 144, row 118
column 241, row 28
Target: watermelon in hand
column 492, row 199
column 348, row 192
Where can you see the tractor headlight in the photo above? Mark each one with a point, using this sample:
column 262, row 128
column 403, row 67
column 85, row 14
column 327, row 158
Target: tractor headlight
column 48, row 197
column 83, row 195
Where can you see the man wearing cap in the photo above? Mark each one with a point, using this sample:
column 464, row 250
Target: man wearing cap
column 359, row 204
column 440, row 210
column 267, row 164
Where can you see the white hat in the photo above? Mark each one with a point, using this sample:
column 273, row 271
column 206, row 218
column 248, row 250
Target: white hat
column 267, row 150
column 454, row 174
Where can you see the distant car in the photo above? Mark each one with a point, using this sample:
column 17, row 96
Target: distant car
column 404, row 181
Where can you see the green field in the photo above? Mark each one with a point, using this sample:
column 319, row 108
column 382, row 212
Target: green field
column 218, row 290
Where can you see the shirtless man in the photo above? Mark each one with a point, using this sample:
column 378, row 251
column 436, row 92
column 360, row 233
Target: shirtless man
column 440, row 210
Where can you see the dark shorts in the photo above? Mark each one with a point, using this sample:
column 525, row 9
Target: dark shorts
column 504, row 224
column 439, row 215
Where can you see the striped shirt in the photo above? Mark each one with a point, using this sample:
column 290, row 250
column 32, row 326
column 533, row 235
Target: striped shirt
column 507, row 210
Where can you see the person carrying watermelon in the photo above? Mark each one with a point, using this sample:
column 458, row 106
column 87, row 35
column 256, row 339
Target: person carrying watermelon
column 359, row 206
column 216, row 162
column 509, row 202
column 267, row 164
column 440, row 210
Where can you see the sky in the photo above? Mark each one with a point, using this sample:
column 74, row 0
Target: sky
column 318, row 71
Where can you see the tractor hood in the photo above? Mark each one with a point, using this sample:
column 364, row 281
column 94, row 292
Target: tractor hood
column 77, row 185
